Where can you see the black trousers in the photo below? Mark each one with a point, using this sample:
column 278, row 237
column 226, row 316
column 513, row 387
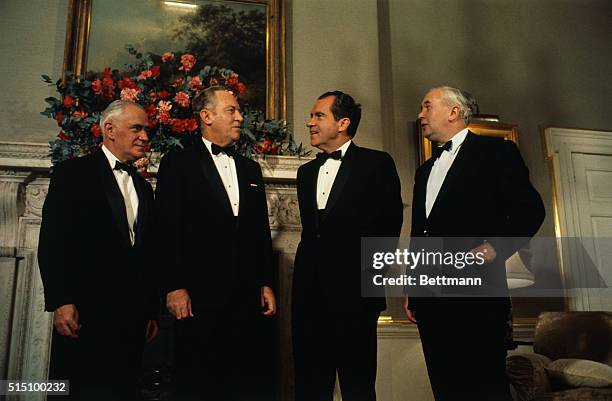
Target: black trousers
column 464, row 342
column 326, row 343
column 224, row 355
column 104, row 363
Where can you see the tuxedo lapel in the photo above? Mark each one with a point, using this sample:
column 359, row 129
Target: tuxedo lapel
column 421, row 190
column 113, row 195
column 310, row 208
column 214, row 179
column 457, row 170
column 341, row 178
column 143, row 208
column 243, row 185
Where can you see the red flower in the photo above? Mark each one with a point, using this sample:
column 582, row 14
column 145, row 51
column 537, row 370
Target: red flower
column 191, row 124
column 187, row 61
column 167, row 56
column 196, row 83
column 68, row 101
column 96, row 86
column 273, row 150
column 80, row 114
column 59, row 117
column 144, row 75
column 63, row 136
column 214, row 81
column 150, row 109
column 177, row 125
column 152, row 123
column 126, row 82
column 258, row 148
column 163, row 117
column 95, row 130
column 163, row 94
column 108, row 84
column 179, row 82
column 155, row 71
column 240, row 87
column 182, row 99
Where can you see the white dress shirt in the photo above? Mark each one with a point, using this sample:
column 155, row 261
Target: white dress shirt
column 327, row 176
column 226, row 166
column 440, row 169
column 126, row 186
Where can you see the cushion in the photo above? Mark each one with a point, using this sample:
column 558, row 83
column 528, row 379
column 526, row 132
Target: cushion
column 580, row 373
column 527, row 374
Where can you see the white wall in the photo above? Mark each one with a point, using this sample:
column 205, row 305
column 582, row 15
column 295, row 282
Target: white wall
column 32, row 38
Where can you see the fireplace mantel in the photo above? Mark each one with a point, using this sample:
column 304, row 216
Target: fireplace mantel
column 24, row 180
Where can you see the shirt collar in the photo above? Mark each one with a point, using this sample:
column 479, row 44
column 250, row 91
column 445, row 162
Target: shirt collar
column 345, row 147
column 112, row 159
column 208, row 145
column 458, row 139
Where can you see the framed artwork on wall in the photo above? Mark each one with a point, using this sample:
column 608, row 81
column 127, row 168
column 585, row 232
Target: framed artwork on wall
column 488, row 128
column 246, row 36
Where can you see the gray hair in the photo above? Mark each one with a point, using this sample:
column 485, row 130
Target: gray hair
column 206, row 98
column 114, row 109
column 457, row 97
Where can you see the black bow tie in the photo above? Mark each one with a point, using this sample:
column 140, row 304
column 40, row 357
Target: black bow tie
column 437, row 150
column 323, row 156
column 228, row 150
column 128, row 168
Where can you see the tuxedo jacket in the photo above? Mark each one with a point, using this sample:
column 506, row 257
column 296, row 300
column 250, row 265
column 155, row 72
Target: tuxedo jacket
column 85, row 254
column 365, row 201
column 205, row 249
column 486, row 196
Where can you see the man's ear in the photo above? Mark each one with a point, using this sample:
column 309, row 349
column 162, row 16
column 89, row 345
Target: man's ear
column 343, row 124
column 108, row 130
column 454, row 114
column 205, row 115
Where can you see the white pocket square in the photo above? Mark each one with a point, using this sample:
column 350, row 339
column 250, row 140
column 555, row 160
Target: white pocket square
column 253, row 185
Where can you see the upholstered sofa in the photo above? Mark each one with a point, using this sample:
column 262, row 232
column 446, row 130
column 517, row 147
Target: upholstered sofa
column 572, row 359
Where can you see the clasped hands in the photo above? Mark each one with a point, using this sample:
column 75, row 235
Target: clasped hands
column 178, row 303
column 488, row 254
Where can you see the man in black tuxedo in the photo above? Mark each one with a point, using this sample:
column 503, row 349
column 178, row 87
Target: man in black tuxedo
column 216, row 255
column 474, row 191
column 347, row 193
column 95, row 261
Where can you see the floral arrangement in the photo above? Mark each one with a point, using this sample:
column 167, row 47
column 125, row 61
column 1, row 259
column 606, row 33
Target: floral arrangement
column 164, row 85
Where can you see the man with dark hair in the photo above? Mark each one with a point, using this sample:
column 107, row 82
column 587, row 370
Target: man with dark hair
column 95, row 258
column 347, row 193
column 216, row 256
column 474, row 191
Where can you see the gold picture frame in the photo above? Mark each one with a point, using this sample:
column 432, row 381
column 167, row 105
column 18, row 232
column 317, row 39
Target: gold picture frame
column 78, row 31
column 488, row 128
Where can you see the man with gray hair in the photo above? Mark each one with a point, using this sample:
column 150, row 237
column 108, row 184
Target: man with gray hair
column 474, row 194
column 95, row 259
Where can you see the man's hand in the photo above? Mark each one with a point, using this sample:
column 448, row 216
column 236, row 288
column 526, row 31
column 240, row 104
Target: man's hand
column 66, row 320
column 409, row 313
column 487, row 251
column 152, row 330
column 268, row 301
column 178, row 303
